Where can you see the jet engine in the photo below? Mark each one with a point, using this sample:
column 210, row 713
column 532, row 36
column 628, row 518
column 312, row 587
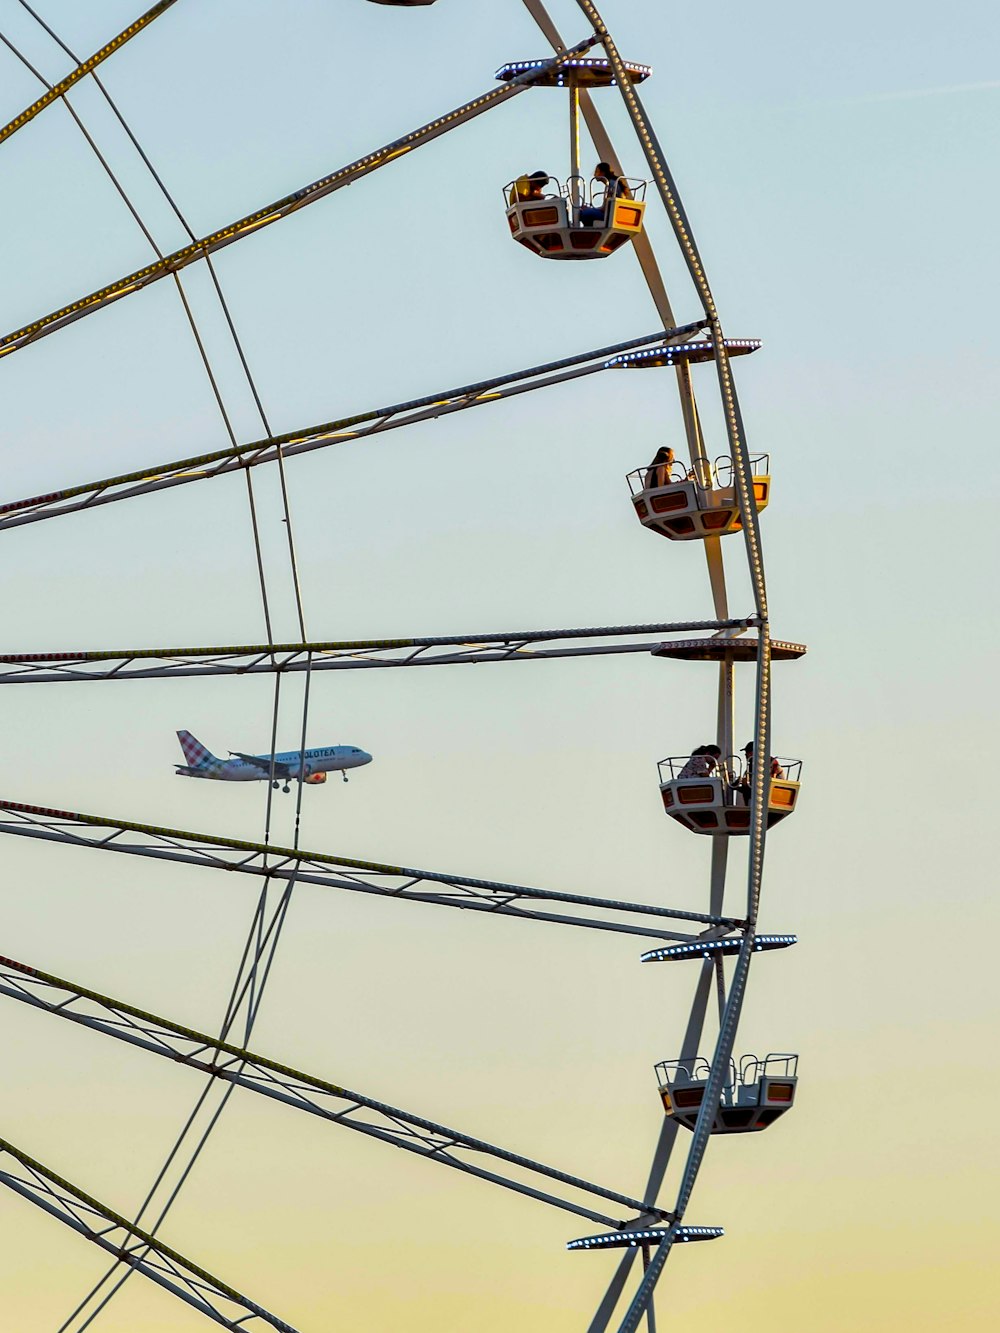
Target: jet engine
column 314, row 779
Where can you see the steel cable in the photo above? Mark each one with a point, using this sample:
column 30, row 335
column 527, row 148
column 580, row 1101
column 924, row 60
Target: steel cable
column 251, row 991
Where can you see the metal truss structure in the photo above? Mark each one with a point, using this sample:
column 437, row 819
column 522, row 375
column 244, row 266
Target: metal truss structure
column 307, row 439
column 400, row 883
column 649, row 1229
column 345, row 655
column 280, row 208
column 114, row 1234
column 85, row 67
column 305, row 1092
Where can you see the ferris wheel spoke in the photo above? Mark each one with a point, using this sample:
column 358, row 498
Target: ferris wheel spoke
column 131, row 1246
column 307, row 439
column 326, row 870
column 357, row 654
column 84, row 68
column 281, row 208
column 318, row 1097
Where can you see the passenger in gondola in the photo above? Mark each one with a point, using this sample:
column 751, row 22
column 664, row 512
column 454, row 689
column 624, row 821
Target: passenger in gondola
column 703, row 762
column 526, row 187
column 658, row 472
column 744, row 782
column 615, row 187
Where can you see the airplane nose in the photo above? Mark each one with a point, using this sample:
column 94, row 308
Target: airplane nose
column 367, row 757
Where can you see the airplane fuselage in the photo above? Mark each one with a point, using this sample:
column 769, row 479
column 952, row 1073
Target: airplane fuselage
column 314, row 763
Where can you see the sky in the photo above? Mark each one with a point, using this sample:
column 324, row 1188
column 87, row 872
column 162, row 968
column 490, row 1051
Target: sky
column 837, row 166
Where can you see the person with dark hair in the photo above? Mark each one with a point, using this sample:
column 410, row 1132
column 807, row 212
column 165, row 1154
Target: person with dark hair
column 744, row 782
column 528, row 187
column 590, row 215
column 537, row 182
column 702, row 763
column 658, row 472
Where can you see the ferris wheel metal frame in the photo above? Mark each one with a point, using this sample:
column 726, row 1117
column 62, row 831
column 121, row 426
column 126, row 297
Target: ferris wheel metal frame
column 709, row 937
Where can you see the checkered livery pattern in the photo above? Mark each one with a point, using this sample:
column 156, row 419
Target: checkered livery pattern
column 195, row 753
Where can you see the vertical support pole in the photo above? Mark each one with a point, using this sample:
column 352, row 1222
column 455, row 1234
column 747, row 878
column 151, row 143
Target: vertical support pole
column 724, row 738
column 692, row 426
column 720, row 985
column 576, row 184
column 643, row 1295
column 761, row 786
column 650, row 1312
column 703, row 472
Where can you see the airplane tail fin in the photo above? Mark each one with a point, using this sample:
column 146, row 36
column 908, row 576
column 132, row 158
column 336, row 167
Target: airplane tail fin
column 195, row 753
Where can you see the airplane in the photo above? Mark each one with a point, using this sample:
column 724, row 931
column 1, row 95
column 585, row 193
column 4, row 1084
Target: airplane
column 239, row 767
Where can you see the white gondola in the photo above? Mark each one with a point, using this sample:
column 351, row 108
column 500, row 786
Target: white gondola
column 755, row 1094
column 717, row 803
column 573, row 219
column 692, row 504
column 552, row 225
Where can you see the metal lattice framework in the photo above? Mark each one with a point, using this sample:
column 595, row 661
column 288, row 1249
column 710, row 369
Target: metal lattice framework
column 347, row 655
column 360, row 426
column 401, row 883
column 650, row 1228
column 305, row 1092
column 114, row 1234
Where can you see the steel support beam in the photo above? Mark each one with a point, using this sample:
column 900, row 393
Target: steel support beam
column 280, row 208
column 337, row 655
column 141, row 1252
column 399, row 883
column 308, row 439
column 305, row 1092
column 85, row 67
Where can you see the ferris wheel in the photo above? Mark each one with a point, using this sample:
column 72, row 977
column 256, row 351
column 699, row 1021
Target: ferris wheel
column 717, row 491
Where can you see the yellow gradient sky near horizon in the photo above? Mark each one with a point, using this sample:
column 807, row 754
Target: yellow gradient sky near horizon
column 838, row 171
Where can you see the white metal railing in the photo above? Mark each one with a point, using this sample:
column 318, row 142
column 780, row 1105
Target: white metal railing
column 775, row 1065
column 706, row 476
column 577, row 191
column 732, row 769
column 749, row 1072
column 723, row 468
column 695, row 1069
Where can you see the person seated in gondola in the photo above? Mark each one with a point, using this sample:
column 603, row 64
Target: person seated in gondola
column 703, row 762
column 744, row 782
column 526, row 187
column 659, row 470
column 615, row 187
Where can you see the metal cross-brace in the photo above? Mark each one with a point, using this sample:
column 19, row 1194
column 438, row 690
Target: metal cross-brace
column 339, row 655
column 318, row 1097
column 307, row 439
column 399, row 883
column 140, row 1251
column 281, row 208
column 84, row 68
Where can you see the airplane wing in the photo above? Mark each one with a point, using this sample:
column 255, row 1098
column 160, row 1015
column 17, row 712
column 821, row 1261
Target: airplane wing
column 280, row 770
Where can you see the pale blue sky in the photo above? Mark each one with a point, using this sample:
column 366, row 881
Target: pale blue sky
column 838, row 166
